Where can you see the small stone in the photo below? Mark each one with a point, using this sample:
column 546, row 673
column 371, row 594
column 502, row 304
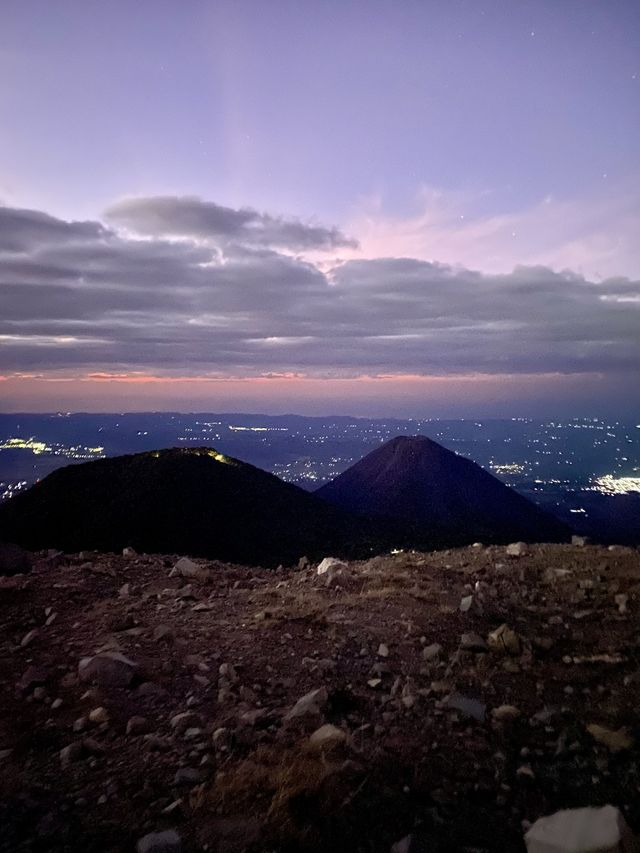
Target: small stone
column 472, row 643
column 187, row 776
column 57, row 703
column 327, row 737
column 186, row 720
column 621, row 600
column 383, row 650
column 585, row 830
column 516, row 549
column 137, row 726
column 129, row 552
column 466, row 603
column 70, row 753
column 504, row 640
column 505, row 712
column 580, row 541
column 29, row 637
column 432, row 652
column 469, row 707
column 221, row 739
column 616, row 741
column 99, row 715
column 160, row 842
column 311, row 704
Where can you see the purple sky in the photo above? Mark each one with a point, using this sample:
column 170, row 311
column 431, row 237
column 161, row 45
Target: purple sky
column 427, row 207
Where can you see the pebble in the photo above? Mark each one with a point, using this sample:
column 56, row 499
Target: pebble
column 160, row 842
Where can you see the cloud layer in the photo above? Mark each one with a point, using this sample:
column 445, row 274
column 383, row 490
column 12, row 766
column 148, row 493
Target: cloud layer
column 178, row 286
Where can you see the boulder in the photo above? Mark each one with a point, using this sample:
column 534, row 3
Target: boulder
column 587, row 830
column 517, row 549
column 109, row 669
column 186, row 568
column 331, row 563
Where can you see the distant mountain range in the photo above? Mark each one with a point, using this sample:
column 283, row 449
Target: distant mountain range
column 438, row 496
column 410, row 491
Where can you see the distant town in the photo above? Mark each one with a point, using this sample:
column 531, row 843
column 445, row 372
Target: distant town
column 569, row 466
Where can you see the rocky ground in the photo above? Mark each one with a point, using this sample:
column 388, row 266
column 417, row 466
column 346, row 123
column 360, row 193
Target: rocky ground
column 433, row 701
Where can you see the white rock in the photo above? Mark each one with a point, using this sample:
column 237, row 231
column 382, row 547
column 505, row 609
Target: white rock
column 186, row 568
column 432, row 651
column 99, row 715
column 310, row 704
column 129, row 552
column 588, row 830
column 466, row 603
column 327, row 736
column 160, row 842
column 517, row 549
column 383, row 650
column 331, row 563
column 29, row 638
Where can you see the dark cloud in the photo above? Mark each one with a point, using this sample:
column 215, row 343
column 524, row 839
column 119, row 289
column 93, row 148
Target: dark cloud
column 83, row 296
column 191, row 217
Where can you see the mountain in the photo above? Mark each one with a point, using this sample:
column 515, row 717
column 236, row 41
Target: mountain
column 194, row 501
column 441, row 498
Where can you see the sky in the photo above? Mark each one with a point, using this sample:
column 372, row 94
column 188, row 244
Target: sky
column 418, row 208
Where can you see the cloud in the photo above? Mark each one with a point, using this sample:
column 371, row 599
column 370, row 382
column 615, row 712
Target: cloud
column 191, row 217
column 595, row 235
column 84, row 298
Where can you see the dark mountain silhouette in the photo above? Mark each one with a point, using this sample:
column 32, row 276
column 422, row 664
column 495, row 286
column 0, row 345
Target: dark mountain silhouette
column 188, row 501
column 441, row 498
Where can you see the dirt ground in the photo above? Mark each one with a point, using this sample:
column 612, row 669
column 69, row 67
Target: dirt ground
column 459, row 695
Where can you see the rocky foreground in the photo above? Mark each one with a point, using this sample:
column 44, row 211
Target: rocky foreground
column 417, row 702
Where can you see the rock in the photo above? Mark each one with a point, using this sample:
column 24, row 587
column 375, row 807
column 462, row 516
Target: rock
column 186, row 568
column 327, row 737
column 33, row 676
column 331, row 563
column 516, row 549
column 504, row 640
column 160, row 842
column 109, row 669
column 14, row 560
column 99, row 715
column 616, row 741
column 70, row 753
column 505, row 712
column 466, row 603
column 187, row 776
column 162, row 632
column 472, row 643
column 586, row 830
column 29, row 637
column 383, row 650
column 621, row 600
column 129, row 552
column 137, row 726
column 580, row 541
column 469, row 707
column 186, row 720
column 222, row 739
column 432, row 652
column 310, row 705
